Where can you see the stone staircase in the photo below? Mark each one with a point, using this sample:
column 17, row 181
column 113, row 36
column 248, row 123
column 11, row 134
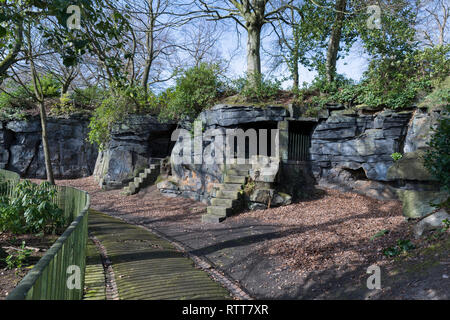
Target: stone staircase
column 144, row 179
column 228, row 199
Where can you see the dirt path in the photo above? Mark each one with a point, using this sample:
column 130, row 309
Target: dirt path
column 317, row 249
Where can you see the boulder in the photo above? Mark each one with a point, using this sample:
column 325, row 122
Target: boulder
column 410, row 167
column 432, row 222
column 418, row 204
column 281, row 199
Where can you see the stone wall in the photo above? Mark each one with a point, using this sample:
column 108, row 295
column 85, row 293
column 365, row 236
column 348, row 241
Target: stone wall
column 71, row 155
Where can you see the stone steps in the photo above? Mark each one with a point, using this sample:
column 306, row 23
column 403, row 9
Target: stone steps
column 227, row 199
column 224, row 194
column 235, row 179
column 144, row 179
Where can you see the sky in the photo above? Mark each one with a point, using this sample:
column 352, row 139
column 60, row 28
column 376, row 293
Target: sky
column 353, row 66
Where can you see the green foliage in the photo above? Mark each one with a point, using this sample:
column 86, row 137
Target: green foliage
column 379, row 234
column 439, row 97
column 196, row 89
column 51, row 87
column 16, row 260
column 31, row 210
column 89, row 96
column 394, row 83
column 402, row 246
column 256, row 88
column 437, row 158
column 15, row 96
column 396, row 156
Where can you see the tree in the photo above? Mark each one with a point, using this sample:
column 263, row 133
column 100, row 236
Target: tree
column 302, row 33
column 437, row 159
column 251, row 15
column 433, row 15
column 11, row 34
column 49, row 20
column 335, row 39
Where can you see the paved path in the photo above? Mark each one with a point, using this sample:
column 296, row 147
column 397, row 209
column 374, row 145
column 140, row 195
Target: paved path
column 145, row 266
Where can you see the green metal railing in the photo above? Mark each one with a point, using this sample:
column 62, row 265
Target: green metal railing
column 8, row 180
column 50, row 277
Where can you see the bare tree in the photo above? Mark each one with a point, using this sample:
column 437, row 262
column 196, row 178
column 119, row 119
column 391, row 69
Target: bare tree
column 433, row 22
column 251, row 15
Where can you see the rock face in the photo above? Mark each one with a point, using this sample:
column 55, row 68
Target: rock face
column 227, row 116
column 197, row 180
column 133, row 145
column 349, row 151
column 358, row 143
column 71, row 155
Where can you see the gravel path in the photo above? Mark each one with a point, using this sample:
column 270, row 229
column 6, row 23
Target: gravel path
column 314, row 249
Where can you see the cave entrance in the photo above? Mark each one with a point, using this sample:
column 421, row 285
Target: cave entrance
column 300, row 140
column 161, row 144
column 263, row 131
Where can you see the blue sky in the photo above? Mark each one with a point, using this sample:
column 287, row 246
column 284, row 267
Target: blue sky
column 353, row 66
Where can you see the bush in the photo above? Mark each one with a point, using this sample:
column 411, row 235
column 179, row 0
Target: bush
column 393, row 82
column 196, row 89
column 90, row 96
column 51, row 87
column 31, row 210
column 116, row 105
column 15, row 97
column 437, row 159
column 256, row 88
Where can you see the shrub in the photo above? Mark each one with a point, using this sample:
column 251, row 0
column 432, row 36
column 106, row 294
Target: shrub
column 16, row 260
column 90, row 96
column 256, row 88
column 196, row 89
column 437, row 158
column 31, row 210
column 51, row 87
column 15, row 97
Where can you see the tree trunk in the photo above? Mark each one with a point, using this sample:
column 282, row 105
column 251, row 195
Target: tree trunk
column 295, row 76
column 40, row 98
column 45, row 145
column 253, row 51
column 335, row 39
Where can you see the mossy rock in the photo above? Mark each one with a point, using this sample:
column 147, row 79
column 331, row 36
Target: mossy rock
column 410, row 167
column 418, row 204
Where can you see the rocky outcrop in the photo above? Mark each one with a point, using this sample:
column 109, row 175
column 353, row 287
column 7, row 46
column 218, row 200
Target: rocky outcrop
column 364, row 142
column 134, row 144
column 419, row 132
column 71, row 155
column 197, row 180
column 227, row 116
